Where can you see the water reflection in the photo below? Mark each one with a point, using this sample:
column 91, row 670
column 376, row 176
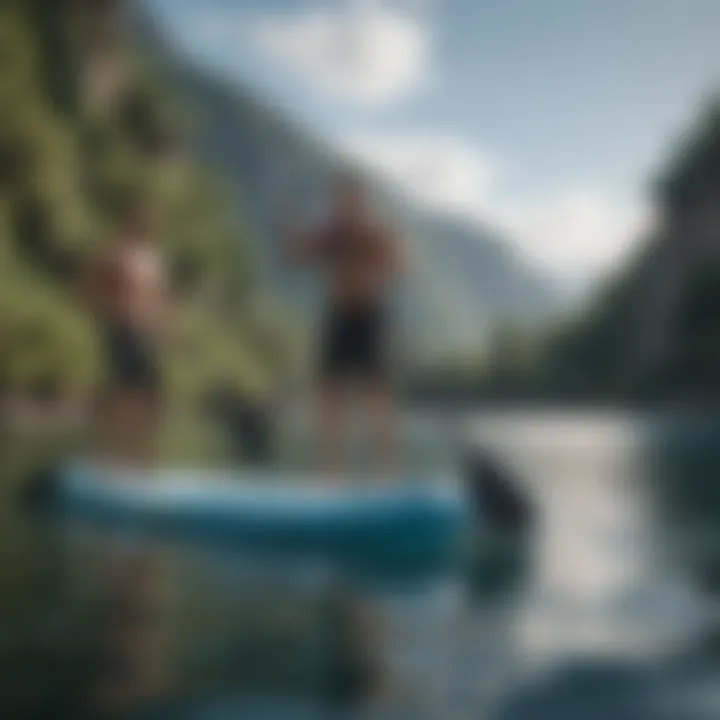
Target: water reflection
column 608, row 608
column 132, row 643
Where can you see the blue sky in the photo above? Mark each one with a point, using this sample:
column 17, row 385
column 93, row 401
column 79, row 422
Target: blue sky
column 544, row 117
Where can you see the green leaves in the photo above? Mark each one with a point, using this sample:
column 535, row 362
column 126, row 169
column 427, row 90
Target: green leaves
column 66, row 178
column 45, row 340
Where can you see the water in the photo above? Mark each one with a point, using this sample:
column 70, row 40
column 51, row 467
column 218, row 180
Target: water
column 608, row 610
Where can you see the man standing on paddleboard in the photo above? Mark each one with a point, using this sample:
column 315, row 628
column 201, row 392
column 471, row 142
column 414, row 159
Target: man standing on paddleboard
column 359, row 258
column 125, row 286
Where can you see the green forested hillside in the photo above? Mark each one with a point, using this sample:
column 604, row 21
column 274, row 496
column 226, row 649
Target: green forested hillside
column 651, row 332
column 86, row 128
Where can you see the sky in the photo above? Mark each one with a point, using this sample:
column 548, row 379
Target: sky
column 546, row 118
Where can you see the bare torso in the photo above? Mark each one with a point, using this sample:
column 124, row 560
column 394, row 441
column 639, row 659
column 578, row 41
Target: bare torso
column 358, row 261
column 131, row 286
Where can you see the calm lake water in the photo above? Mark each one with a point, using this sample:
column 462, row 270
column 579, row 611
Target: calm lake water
column 607, row 609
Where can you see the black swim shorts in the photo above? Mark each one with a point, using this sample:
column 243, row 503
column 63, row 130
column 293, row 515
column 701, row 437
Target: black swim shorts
column 354, row 343
column 132, row 359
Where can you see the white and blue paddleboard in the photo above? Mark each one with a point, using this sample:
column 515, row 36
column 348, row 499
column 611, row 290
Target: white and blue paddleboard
column 413, row 518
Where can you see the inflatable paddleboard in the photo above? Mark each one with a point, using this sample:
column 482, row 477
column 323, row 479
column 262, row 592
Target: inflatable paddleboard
column 413, row 518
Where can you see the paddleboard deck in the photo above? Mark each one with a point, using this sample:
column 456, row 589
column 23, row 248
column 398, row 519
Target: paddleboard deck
column 285, row 511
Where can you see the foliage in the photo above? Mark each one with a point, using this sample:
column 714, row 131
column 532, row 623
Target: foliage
column 697, row 357
column 67, row 170
column 696, row 167
column 588, row 356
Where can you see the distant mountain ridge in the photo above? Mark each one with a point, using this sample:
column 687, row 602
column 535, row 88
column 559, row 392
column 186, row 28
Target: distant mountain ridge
column 463, row 279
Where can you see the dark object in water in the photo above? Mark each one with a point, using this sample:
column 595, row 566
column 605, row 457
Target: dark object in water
column 500, row 562
column 495, row 493
column 249, row 424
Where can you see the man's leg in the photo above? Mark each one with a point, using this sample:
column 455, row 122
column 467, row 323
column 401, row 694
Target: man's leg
column 143, row 400
column 374, row 362
column 383, row 420
column 143, row 430
column 332, row 425
column 101, row 432
column 116, row 424
column 133, row 411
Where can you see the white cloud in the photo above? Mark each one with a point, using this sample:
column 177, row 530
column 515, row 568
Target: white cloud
column 366, row 52
column 438, row 170
column 574, row 233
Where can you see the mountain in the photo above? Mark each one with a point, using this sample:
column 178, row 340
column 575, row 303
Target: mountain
column 652, row 331
column 463, row 279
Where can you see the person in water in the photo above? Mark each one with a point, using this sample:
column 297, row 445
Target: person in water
column 125, row 286
column 360, row 259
